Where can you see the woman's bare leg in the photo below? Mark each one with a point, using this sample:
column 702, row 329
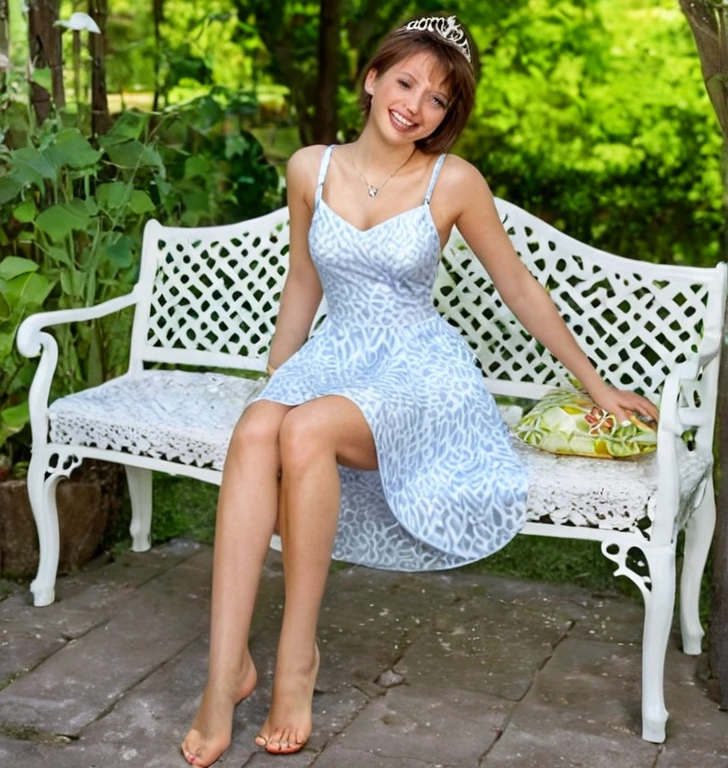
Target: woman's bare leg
column 246, row 514
column 314, row 437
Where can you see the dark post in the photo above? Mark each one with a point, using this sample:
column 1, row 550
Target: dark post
column 44, row 41
column 98, row 10
column 157, row 18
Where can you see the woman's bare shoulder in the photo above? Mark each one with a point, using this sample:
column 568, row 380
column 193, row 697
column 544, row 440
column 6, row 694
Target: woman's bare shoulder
column 305, row 160
column 302, row 171
column 462, row 187
column 459, row 173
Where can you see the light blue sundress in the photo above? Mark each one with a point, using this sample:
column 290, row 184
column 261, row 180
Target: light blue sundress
column 449, row 489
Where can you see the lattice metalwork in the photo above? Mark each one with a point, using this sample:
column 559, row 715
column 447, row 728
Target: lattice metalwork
column 635, row 320
column 218, row 290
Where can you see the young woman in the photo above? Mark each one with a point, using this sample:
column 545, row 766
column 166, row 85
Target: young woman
column 380, row 425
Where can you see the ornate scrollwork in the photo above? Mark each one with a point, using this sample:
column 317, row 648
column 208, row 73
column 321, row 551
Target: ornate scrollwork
column 61, row 464
column 634, row 566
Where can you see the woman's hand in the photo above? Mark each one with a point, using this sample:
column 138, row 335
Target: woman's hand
column 623, row 403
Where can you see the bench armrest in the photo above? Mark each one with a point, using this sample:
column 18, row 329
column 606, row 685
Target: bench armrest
column 30, row 340
column 689, row 401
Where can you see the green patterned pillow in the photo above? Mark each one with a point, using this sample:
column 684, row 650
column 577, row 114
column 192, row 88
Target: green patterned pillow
column 571, row 423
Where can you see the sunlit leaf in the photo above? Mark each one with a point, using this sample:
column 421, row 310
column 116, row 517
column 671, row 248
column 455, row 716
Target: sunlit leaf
column 128, row 125
column 71, row 149
column 42, row 77
column 113, row 195
column 16, row 417
column 141, row 202
column 26, row 290
column 25, row 212
column 12, row 266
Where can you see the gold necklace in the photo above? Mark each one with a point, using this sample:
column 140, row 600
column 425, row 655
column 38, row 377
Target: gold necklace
column 371, row 189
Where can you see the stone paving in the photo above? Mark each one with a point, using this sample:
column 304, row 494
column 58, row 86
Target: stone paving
column 445, row 670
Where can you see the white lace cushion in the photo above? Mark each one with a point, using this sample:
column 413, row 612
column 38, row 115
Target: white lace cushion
column 604, row 493
column 172, row 415
column 188, row 417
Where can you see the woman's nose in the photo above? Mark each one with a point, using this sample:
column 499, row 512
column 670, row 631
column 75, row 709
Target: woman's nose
column 412, row 105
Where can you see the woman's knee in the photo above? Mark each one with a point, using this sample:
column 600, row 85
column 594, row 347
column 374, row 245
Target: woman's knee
column 258, row 428
column 302, row 439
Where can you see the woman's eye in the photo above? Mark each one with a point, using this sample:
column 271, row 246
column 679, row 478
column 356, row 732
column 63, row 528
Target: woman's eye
column 439, row 102
column 403, row 83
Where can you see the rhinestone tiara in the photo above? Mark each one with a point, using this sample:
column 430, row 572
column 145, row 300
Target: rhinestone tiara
column 448, row 29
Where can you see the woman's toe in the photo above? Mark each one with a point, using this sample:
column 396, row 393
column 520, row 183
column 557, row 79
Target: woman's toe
column 274, row 740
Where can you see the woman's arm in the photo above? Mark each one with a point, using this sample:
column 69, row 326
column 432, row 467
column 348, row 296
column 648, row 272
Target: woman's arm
column 480, row 225
column 302, row 291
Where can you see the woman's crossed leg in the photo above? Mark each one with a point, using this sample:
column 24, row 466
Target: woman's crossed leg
column 304, row 443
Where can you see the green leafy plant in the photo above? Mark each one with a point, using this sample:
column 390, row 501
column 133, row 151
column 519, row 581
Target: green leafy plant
column 72, row 212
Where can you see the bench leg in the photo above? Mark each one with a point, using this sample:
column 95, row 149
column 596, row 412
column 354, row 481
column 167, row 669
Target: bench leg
column 698, row 537
column 140, row 493
column 659, row 606
column 42, row 496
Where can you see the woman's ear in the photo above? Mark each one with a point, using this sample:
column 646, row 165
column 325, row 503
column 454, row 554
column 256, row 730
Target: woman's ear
column 369, row 81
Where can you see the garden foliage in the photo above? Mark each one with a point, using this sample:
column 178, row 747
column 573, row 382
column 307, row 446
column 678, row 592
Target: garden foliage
column 72, row 210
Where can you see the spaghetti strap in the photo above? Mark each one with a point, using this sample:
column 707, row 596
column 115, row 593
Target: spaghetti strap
column 322, row 174
column 435, row 174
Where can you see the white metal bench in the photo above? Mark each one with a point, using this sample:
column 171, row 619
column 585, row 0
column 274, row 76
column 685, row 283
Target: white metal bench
column 208, row 298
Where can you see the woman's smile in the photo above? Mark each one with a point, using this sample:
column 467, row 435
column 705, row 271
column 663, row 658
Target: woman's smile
column 400, row 122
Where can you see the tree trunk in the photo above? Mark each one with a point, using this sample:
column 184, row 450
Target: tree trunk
column 100, row 121
column 44, row 41
column 719, row 625
column 158, row 18
column 329, row 48
column 4, row 34
column 709, row 25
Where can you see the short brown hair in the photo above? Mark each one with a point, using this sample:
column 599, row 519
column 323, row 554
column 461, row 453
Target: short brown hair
column 460, row 77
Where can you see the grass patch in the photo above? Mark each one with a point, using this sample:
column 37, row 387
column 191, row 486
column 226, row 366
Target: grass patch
column 560, row 561
column 183, row 507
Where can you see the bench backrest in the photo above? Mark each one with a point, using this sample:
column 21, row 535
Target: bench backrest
column 211, row 299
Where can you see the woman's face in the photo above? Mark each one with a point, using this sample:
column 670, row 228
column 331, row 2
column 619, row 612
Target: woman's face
column 410, row 99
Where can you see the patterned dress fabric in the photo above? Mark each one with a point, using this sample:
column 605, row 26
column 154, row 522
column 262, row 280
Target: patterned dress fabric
column 449, row 488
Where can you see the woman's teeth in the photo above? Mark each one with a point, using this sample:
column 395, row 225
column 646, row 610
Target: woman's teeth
column 401, row 120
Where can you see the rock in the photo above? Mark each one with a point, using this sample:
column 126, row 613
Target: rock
column 389, row 678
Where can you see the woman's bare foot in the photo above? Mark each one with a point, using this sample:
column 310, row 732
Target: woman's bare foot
column 288, row 725
column 211, row 731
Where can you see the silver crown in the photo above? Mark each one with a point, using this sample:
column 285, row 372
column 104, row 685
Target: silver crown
column 448, row 29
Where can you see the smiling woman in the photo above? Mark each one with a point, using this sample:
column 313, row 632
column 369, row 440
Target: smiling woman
column 452, row 99
column 376, row 438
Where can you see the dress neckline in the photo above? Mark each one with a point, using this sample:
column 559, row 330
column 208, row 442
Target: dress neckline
column 397, row 216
